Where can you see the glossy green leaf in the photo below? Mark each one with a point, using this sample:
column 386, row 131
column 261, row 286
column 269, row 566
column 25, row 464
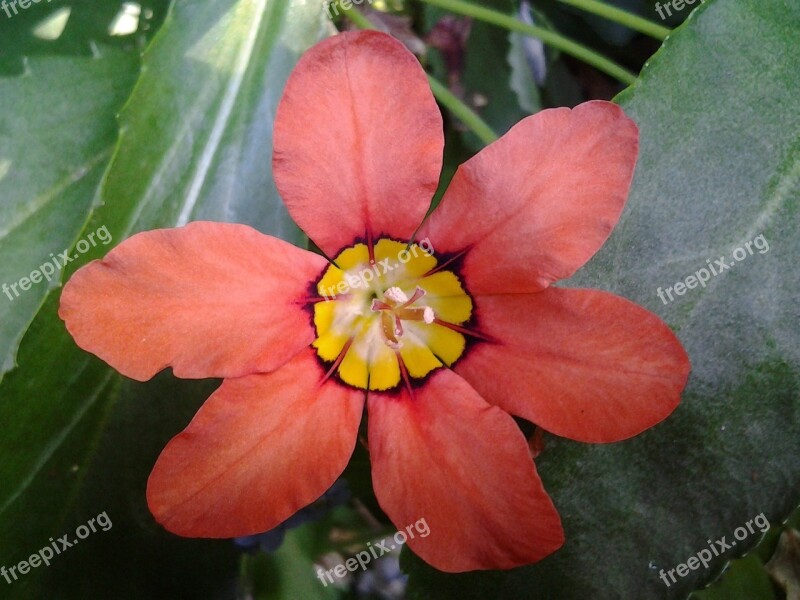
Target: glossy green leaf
column 74, row 28
column 52, row 409
column 131, row 560
column 487, row 76
column 719, row 166
column 196, row 134
column 521, row 79
column 195, row 143
column 57, row 132
column 745, row 578
column 751, row 572
column 289, row 572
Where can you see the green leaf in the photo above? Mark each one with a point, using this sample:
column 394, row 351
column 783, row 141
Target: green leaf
column 196, row 134
column 52, row 408
column 742, row 574
column 521, row 79
column 719, row 165
column 195, row 142
column 289, row 572
column 487, row 75
column 72, row 28
column 485, row 79
column 57, row 133
column 746, row 578
column 130, row 560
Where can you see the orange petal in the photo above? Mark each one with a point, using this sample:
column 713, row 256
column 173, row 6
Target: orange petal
column 448, row 457
column 582, row 364
column 208, row 299
column 259, row 449
column 538, row 203
column 358, row 141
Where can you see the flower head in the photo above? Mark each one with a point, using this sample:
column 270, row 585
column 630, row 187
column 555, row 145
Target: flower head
column 443, row 330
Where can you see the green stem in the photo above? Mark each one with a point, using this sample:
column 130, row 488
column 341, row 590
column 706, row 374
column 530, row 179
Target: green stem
column 463, row 112
column 445, row 97
column 358, row 18
column 551, row 38
column 623, row 17
column 246, row 576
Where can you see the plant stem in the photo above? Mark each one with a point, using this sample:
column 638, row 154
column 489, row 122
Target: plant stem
column 623, row 17
column 358, row 18
column 444, row 96
column 463, row 112
column 556, row 40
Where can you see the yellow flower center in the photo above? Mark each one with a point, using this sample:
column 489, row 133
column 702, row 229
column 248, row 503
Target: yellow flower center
column 389, row 316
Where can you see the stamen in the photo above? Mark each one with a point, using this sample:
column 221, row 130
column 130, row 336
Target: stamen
column 389, row 331
column 395, row 294
column 418, row 293
column 398, row 326
column 419, row 313
column 397, row 309
column 377, row 305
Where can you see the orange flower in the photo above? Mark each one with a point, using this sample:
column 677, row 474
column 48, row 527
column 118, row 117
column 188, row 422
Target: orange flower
column 442, row 339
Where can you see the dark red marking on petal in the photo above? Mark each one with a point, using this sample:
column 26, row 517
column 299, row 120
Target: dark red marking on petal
column 448, row 260
column 463, row 330
column 404, row 373
column 338, row 360
column 371, row 248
